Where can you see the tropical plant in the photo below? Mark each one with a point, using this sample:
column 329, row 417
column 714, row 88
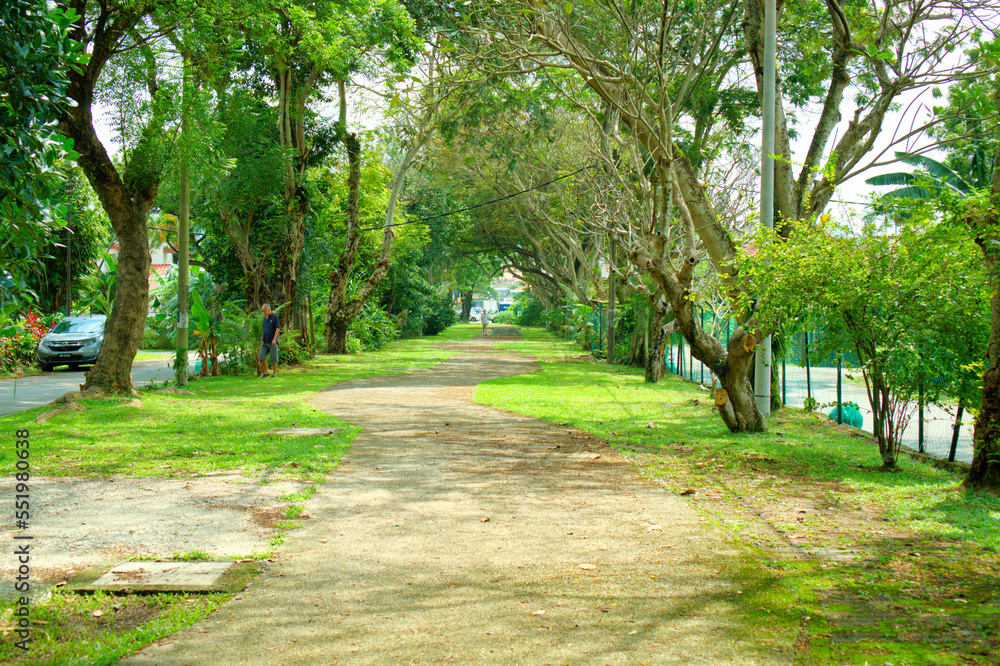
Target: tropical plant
column 908, row 303
column 929, row 180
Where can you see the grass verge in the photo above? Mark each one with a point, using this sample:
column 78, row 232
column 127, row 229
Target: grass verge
column 98, row 629
column 860, row 565
column 221, row 427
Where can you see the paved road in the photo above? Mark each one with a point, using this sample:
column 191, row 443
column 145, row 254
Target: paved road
column 17, row 395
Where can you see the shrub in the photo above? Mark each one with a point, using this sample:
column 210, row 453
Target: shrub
column 373, row 328
column 440, row 315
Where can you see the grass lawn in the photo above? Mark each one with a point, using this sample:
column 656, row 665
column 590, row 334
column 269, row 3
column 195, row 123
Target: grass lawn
column 852, row 564
column 219, row 428
column 861, row 565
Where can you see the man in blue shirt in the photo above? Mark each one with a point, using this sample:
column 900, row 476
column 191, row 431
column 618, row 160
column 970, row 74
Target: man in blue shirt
column 269, row 341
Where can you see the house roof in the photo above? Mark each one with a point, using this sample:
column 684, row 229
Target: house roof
column 159, row 269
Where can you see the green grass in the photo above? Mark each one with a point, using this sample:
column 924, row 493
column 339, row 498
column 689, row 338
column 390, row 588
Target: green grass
column 923, row 586
column 220, row 428
column 66, row 632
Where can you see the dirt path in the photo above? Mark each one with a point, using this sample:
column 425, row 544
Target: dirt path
column 457, row 533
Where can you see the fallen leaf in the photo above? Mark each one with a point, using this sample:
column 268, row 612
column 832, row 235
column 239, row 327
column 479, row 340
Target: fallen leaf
column 97, row 613
column 651, row 528
column 650, row 424
column 687, row 492
column 539, row 612
column 485, row 520
column 588, row 567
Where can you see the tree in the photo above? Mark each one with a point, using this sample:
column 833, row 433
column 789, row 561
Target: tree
column 873, row 294
column 34, row 62
column 303, row 49
column 124, row 47
column 969, row 124
column 421, row 109
column 930, row 179
column 662, row 69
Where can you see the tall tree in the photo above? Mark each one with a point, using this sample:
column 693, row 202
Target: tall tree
column 34, row 60
column 662, row 68
column 123, row 44
column 305, row 49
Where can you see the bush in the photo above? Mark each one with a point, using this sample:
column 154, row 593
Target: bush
column 440, row 315
column 373, row 328
column 525, row 311
column 18, row 345
column 508, row 316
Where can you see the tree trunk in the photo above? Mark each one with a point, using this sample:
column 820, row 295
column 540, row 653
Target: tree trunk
column 654, row 359
column 112, row 372
column 336, row 336
column 985, row 470
column 466, row 306
column 126, row 197
column 339, row 311
column 337, row 320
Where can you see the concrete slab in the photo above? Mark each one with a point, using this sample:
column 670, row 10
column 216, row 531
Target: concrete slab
column 137, row 577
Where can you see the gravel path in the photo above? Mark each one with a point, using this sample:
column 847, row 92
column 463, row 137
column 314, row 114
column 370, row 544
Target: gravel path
column 457, row 533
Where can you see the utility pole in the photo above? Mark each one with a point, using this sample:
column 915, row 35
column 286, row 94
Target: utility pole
column 69, row 240
column 183, row 227
column 611, row 299
column 762, row 362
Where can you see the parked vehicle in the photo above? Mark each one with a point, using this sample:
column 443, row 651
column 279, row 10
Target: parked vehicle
column 475, row 314
column 74, row 341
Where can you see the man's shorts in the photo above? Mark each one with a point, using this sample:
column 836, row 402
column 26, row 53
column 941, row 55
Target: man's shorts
column 267, row 348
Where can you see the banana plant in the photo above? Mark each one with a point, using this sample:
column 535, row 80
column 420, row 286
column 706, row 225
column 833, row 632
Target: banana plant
column 929, row 180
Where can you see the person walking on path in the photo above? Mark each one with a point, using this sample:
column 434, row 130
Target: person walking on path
column 269, row 342
column 486, row 319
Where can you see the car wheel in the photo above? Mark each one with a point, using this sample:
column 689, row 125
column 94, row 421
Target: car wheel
column 46, row 367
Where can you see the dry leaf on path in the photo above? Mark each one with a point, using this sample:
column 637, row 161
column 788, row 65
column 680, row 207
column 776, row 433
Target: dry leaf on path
column 539, row 612
column 97, row 613
column 588, row 567
column 688, row 492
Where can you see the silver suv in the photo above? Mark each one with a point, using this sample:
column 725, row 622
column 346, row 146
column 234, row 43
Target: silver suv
column 74, row 341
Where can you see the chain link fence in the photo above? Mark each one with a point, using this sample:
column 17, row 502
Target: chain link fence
column 941, row 431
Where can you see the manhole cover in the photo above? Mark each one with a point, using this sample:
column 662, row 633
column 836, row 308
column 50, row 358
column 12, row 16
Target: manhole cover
column 167, row 577
column 186, row 574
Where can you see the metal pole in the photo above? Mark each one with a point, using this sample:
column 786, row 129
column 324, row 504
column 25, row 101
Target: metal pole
column 611, row 300
column 762, row 361
column 784, row 383
column 809, row 392
column 956, row 431
column 840, row 408
column 920, row 421
column 183, row 225
column 69, row 241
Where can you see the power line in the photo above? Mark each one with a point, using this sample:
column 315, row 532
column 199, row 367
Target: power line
column 481, row 205
column 450, row 213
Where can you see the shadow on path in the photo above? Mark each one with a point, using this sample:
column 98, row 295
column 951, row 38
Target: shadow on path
column 458, row 533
